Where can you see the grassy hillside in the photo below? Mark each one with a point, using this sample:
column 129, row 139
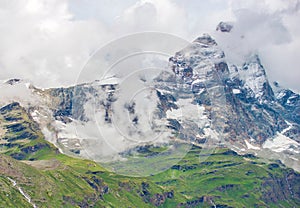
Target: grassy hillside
column 20, row 136
column 51, row 179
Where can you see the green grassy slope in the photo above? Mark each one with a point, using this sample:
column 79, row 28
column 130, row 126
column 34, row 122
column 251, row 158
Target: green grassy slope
column 51, row 179
column 20, row 136
column 231, row 180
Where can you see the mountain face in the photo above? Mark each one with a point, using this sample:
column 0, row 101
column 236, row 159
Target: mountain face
column 290, row 101
column 246, row 129
column 238, row 101
column 201, row 99
column 235, row 100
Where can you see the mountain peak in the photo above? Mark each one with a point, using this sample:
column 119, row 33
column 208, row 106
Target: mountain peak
column 224, row 27
column 255, row 79
column 13, row 81
column 254, row 59
column 205, row 39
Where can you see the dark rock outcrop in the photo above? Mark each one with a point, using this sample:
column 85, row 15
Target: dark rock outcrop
column 224, row 27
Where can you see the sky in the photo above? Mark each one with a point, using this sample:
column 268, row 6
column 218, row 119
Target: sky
column 48, row 42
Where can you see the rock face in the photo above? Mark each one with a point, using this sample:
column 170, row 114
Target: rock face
column 12, row 81
column 238, row 101
column 291, row 103
column 224, row 27
column 254, row 80
column 280, row 189
column 66, row 110
column 290, row 107
column 71, row 102
column 199, row 73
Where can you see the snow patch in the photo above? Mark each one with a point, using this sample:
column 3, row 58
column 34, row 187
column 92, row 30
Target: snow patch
column 288, row 128
column 236, row 91
column 250, row 146
column 174, row 114
column 188, row 111
column 211, row 133
column 280, row 143
column 108, row 81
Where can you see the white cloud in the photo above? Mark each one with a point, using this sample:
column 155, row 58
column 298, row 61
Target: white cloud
column 269, row 28
column 49, row 41
column 153, row 15
column 39, row 41
column 43, row 41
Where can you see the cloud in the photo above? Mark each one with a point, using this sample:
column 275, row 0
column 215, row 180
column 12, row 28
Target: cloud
column 40, row 41
column 268, row 28
column 49, row 41
column 252, row 31
column 153, row 15
column 46, row 42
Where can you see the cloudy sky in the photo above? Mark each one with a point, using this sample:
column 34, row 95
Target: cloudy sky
column 50, row 41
